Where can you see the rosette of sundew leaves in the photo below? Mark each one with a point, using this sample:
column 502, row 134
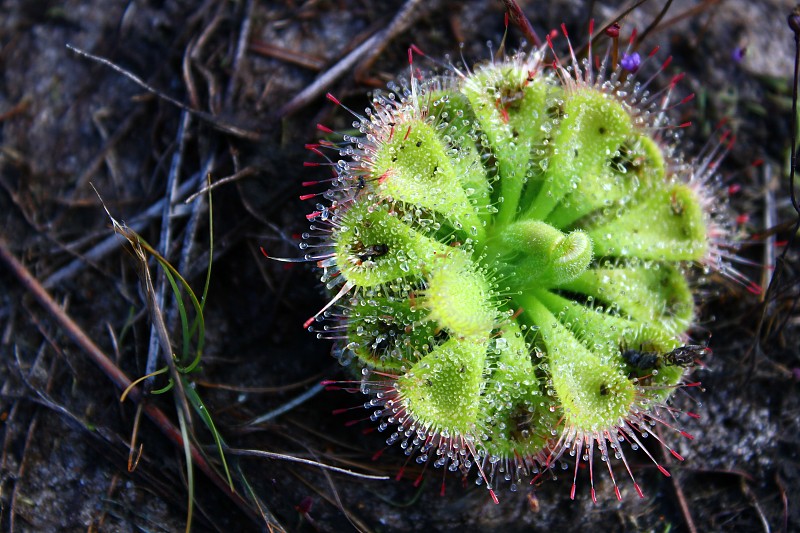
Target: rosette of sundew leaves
column 510, row 251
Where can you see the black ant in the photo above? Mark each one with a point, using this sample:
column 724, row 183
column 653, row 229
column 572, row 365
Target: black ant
column 641, row 360
column 683, row 356
column 372, row 251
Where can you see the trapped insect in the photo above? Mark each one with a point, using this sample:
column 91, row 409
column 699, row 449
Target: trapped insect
column 686, row 356
column 372, row 251
column 683, row 356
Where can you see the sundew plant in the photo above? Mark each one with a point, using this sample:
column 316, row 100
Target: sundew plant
column 513, row 250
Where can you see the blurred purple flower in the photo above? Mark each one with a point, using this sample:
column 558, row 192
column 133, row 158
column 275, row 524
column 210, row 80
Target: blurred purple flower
column 631, row 62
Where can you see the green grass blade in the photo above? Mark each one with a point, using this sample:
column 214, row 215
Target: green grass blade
column 200, row 408
column 181, row 311
column 165, row 388
column 210, row 246
column 189, row 467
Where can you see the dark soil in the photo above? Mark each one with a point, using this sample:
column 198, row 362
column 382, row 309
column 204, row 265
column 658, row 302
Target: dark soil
column 73, row 131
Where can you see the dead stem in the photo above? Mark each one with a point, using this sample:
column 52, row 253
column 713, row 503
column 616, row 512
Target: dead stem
column 192, row 58
column 98, row 523
column 159, row 340
column 134, row 455
column 776, row 284
column 289, row 56
column 785, row 501
column 368, row 49
column 112, row 159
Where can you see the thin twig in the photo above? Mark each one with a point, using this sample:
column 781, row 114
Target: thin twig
column 32, row 427
column 245, row 172
column 404, row 19
column 352, row 518
column 112, row 160
column 293, row 459
column 691, row 12
column 194, row 58
column 211, row 119
column 16, row 109
column 654, row 24
column 186, row 71
column 785, row 502
column 684, row 505
column 288, row 406
column 399, row 23
column 241, row 48
column 43, row 397
column 356, row 522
